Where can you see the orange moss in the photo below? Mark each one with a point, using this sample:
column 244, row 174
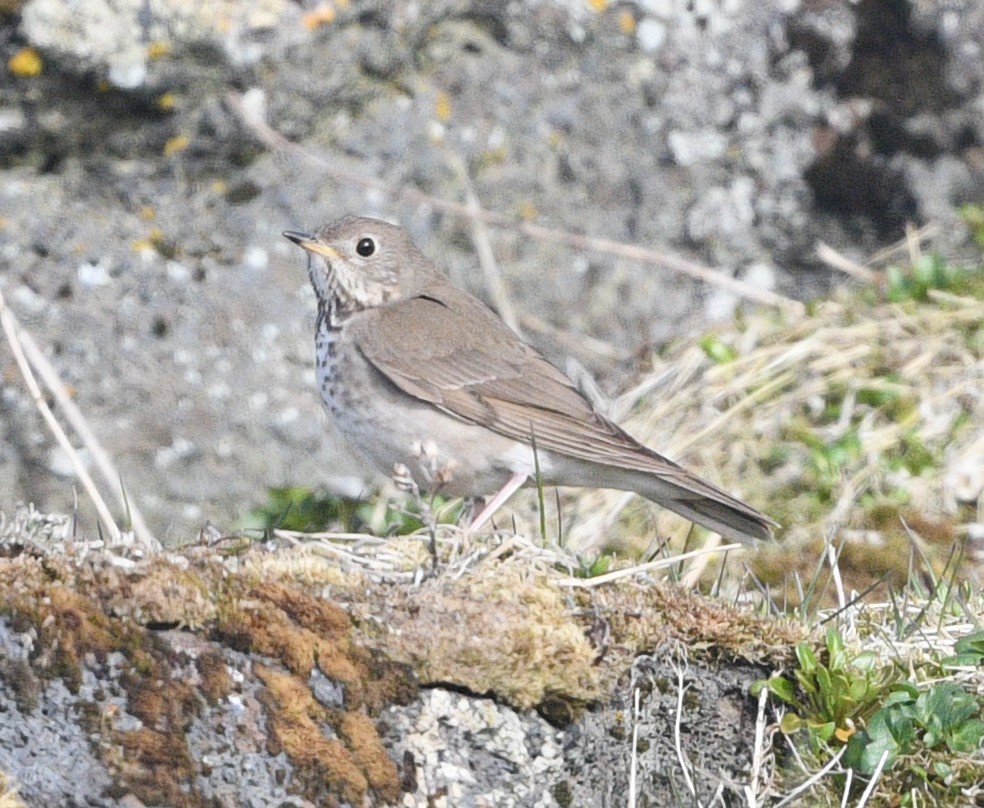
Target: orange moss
column 68, row 606
column 359, row 734
column 294, row 718
column 263, row 628
column 216, row 681
column 319, row 616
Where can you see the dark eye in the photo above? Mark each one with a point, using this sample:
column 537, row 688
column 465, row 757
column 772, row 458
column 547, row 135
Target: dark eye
column 365, row 247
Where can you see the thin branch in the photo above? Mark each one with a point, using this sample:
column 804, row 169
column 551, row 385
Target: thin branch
column 634, row 764
column 608, row 577
column 483, row 249
column 16, row 339
column 837, row 260
column 275, row 141
column 679, row 665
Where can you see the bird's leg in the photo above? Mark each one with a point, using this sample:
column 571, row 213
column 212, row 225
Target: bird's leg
column 405, row 482
column 514, row 484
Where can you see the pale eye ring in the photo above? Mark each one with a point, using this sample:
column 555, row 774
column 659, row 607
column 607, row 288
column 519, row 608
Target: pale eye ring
column 366, row 247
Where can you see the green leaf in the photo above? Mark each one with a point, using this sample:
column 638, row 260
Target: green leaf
column 972, row 644
column 717, row 351
column 967, row 660
column 823, row 731
column 944, row 706
column 782, row 689
column 967, row 737
column 902, row 693
column 806, row 658
column 790, row 723
column 865, row 749
column 835, row 647
column 858, row 688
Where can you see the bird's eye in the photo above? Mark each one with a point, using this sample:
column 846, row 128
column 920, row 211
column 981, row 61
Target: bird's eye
column 365, row 247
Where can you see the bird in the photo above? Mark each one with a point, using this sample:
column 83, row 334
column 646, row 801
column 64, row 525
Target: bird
column 422, row 377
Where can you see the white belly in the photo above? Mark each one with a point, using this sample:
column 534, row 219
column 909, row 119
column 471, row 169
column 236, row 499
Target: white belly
column 390, row 427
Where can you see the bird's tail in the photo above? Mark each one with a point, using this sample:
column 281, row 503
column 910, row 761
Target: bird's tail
column 684, row 493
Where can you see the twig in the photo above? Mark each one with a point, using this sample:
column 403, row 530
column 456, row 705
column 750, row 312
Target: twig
column 271, row 138
column 16, row 339
column 875, row 777
column 680, row 667
column 837, row 260
column 651, row 565
column 111, row 476
column 903, row 245
column 483, row 248
column 634, row 764
column 758, row 750
column 812, row 780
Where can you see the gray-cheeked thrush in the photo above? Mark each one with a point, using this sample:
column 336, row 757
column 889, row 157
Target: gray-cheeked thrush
column 418, row 372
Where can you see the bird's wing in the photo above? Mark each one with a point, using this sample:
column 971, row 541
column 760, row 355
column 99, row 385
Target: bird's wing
column 486, row 375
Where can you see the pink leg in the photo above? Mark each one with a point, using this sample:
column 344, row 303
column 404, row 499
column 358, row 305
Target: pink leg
column 510, row 488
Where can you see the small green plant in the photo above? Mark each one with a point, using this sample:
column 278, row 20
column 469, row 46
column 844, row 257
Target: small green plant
column 717, row 350
column 944, row 716
column 912, row 454
column 973, row 215
column 827, row 698
column 592, row 568
column 828, row 458
column 968, row 652
column 303, row 510
column 928, row 272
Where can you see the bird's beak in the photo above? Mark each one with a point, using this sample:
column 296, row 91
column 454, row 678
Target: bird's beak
column 311, row 244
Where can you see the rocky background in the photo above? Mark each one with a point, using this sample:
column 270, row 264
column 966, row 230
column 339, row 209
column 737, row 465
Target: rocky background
column 140, row 213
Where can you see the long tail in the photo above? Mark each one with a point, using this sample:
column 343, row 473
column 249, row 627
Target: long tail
column 704, row 503
column 682, row 492
column 726, row 515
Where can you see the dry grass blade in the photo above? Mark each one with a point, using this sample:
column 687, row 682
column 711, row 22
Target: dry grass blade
column 649, row 566
column 16, row 338
column 483, row 249
column 836, row 260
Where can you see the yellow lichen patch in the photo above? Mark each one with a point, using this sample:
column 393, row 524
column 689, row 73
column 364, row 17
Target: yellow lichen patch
column 176, row 144
column 26, row 63
column 157, row 50
column 8, row 793
column 166, row 102
column 162, row 593
column 324, row 14
column 495, row 633
column 442, row 107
